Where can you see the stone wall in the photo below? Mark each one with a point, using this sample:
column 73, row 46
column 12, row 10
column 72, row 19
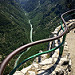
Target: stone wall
column 51, row 63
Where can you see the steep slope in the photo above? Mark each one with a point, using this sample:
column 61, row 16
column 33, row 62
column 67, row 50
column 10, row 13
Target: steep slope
column 30, row 5
column 45, row 14
column 14, row 31
column 14, row 27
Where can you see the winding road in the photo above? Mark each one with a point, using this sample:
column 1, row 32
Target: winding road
column 27, row 48
column 31, row 31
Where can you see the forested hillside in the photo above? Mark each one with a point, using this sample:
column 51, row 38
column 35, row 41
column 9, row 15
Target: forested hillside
column 14, row 27
column 45, row 14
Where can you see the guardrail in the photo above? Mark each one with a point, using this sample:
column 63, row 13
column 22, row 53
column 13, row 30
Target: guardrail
column 11, row 55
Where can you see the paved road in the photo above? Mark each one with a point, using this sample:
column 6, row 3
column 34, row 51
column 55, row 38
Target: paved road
column 71, row 44
column 27, row 48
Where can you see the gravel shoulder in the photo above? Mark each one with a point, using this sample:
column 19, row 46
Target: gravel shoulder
column 70, row 38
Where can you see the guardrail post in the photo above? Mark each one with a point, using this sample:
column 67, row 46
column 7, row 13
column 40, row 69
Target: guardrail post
column 39, row 57
column 62, row 47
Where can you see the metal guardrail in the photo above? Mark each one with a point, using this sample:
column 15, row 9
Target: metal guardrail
column 11, row 55
column 38, row 54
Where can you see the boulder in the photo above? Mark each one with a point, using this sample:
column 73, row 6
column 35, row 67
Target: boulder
column 24, row 70
column 46, row 61
column 31, row 73
column 18, row 73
